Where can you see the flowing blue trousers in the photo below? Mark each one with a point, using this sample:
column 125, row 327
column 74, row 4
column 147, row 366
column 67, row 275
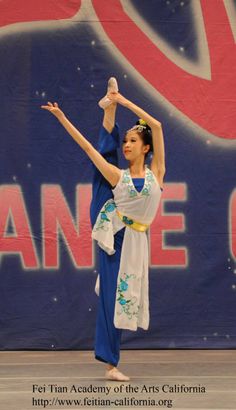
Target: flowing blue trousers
column 107, row 336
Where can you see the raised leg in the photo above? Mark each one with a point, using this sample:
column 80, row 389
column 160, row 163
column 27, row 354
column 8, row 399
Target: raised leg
column 108, row 144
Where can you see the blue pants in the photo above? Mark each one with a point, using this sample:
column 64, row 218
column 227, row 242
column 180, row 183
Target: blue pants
column 107, row 337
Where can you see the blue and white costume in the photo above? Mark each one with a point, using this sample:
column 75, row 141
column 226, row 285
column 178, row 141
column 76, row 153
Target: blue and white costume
column 120, row 219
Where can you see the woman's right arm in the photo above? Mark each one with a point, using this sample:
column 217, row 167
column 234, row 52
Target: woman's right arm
column 110, row 172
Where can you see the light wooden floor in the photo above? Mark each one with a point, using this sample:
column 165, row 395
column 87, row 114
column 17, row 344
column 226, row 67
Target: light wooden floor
column 64, row 372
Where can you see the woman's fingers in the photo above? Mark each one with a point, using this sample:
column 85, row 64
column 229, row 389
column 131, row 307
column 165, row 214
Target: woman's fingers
column 50, row 106
column 45, row 107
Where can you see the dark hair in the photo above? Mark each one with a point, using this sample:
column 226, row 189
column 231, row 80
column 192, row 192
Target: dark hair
column 145, row 132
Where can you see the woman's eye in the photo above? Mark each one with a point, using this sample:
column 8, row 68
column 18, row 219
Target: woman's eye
column 131, row 140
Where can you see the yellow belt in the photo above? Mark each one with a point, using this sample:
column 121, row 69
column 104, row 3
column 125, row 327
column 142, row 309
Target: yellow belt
column 137, row 226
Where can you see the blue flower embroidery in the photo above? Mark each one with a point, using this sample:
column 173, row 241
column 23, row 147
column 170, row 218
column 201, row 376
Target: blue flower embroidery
column 149, row 179
column 126, row 179
column 127, row 305
column 110, row 207
column 145, row 191
column 132, row 192
column 123, row 285
column 127, row 221
column 104, row 216
column 148, row 183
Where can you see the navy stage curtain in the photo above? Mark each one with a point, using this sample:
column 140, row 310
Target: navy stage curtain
column 176, row 59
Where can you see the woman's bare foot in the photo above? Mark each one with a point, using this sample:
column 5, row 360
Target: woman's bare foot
column 112, row 373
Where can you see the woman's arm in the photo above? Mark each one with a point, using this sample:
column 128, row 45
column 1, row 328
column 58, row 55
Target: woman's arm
column 158, row 159
column 109, row 171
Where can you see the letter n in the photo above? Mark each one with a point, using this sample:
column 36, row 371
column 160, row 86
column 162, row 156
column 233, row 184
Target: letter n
column 57, row 218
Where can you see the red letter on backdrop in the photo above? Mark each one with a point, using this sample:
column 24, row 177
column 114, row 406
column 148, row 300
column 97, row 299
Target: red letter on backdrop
column 56, row 217
column 162, row 255
column 12, row 207
column 232, row 223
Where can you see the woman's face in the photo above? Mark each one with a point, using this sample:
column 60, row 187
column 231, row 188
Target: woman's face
column 133, row 146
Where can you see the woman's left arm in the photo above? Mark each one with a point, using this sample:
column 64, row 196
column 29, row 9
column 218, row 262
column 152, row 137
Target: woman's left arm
column 158, row 159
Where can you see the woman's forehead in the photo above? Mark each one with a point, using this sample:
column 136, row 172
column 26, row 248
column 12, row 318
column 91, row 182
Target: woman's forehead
column 133, row 133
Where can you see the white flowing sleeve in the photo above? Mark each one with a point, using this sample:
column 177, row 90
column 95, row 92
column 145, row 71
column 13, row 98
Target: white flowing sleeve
column 103, row 231
column 106, row 226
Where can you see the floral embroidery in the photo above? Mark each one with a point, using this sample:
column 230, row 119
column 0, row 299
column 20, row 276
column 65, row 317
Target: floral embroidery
column 127, row 220
column 126, row 177
column 128, row 180
column 109, row 207
column 147, row 183
column 150, row 176
column 128, row 306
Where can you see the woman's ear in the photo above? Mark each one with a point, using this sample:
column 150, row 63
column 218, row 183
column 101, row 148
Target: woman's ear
column 146, row 148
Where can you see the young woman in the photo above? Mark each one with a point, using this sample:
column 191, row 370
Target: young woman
column 124, row 203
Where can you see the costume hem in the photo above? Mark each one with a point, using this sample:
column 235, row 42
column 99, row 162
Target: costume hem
column 104, row 361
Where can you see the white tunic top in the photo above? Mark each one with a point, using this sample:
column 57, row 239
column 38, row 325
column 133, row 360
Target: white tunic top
column 132, row 301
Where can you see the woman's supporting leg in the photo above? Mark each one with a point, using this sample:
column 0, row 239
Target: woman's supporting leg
column 107, row 336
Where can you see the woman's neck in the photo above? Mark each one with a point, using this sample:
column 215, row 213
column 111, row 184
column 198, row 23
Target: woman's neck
column 137, row 169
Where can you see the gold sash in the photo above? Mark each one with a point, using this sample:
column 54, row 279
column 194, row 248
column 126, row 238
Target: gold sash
column 137, row 226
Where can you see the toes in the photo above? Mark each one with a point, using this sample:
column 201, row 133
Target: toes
column 115, row 374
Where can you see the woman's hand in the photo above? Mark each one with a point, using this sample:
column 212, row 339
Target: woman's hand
column 117, row 98
column 54, row 109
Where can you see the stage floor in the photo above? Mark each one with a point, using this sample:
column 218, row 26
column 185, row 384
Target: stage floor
column 161, row 379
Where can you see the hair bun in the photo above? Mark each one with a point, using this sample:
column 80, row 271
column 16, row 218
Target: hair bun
column 143, row 123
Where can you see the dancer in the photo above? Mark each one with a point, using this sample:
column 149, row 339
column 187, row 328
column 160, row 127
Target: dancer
column 124, row 203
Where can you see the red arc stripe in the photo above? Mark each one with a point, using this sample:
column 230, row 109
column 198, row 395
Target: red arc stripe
column 209, row 103
column 18, row 11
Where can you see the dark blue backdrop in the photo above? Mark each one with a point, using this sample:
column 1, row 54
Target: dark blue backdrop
column 69, row 62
